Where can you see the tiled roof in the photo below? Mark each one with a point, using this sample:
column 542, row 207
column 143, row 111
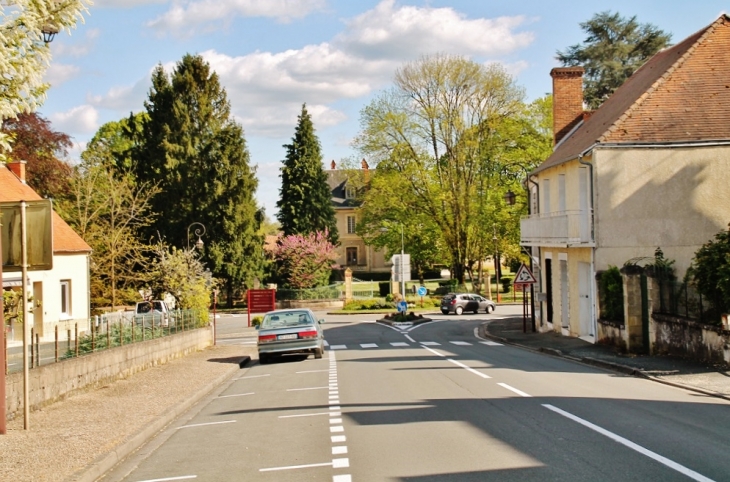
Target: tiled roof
column 65, row 239
column 337, row 181
column 681, row 94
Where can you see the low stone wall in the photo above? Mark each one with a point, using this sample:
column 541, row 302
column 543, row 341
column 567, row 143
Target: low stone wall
column 314, row 305
column 611, row 333
column 50, row 383
column 680, row 337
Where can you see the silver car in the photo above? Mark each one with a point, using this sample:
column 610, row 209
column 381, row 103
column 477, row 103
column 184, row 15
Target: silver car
column 460, row 302
column 290, row 331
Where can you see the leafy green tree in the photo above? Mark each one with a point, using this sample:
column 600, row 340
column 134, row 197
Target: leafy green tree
column 710, row 272
column 35, row 142
column 190, row 144
column 24, row 56
column 451, row 137
column 613, row 49
column 305, row 199
column 305, row 260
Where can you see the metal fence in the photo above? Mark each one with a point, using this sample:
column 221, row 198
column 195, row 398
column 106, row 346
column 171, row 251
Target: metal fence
column 331, row 292
column 106, row 331
column 679, row 299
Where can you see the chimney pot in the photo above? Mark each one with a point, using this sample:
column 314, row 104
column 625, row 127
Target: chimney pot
column 333, row 165
column 18, row 168
column 364, row 164
column 567, row 100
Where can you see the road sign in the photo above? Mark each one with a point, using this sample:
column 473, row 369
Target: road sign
column 422, row 291
column 402, row 306
column 524, row 276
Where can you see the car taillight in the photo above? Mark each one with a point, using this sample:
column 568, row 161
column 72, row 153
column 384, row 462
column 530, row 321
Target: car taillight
column 308, row 334
column 453, row 302
column 266, row 338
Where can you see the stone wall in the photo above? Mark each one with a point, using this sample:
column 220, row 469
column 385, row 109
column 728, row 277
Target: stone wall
column 612, row 333
column 680, row 337
column 50, row 383
column 314, row 305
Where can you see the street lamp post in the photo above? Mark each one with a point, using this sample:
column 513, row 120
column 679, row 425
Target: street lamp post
column 402, row 267
column 496, row 262
column 198, row 232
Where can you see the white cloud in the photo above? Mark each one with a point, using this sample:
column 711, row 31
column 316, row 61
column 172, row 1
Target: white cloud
column 124, row 98
column 186, row 16
column 125, row 3
column 64, row 47
column 83, row 119
column 57, row 74
column 394, row 32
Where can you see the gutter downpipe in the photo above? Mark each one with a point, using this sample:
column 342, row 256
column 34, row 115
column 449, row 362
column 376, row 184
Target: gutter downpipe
column 594, row 325
column 532, row 267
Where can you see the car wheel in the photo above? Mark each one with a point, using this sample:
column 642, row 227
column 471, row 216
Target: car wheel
column 263, row 359
column 317, row 353
column 445, row 312
column 459, row 310
column 489, row 309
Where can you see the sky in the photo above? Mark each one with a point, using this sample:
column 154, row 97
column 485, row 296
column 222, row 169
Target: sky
column 272, row 56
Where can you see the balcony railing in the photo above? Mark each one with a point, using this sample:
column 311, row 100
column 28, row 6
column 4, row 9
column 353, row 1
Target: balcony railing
column 565, row 228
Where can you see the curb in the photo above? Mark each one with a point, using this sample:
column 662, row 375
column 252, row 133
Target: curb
column 616, row 367
column 104, row 463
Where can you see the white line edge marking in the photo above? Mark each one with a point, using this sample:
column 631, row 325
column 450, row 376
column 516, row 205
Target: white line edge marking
column 290, row 467
column 423, row 324
column 301, row 389
column 410, row 339
column 236, row 395
column 338, row 439
column 182, row 477
column 470, row 369
column 204, row 424
column 339, row 449
column 433, row 351
column 253, row 376
column 628, row 443
column 313, row 371
column 342, row 478
column 305, row 415
column 513, row 389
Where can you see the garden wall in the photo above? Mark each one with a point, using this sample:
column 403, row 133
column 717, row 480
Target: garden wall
column 50, row 383
column 680, row 337
column 314, row 305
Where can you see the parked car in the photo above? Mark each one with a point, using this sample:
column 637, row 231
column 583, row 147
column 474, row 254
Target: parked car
column 152, row 313
column 461, row 302
column 289, row 331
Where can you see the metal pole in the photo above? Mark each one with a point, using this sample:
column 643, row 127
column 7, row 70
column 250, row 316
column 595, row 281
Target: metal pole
column 402, row 272
column 26, row 327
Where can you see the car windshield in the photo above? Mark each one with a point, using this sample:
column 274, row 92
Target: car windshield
column 286, row 319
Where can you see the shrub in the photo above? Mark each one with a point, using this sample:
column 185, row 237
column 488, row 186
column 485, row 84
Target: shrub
column 710, row 271
column 256, row 320
column 611, row 294
column 506, row 283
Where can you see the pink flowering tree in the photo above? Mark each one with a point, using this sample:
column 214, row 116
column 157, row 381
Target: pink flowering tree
column 305, row 260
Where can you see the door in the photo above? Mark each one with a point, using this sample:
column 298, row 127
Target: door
column 549, row 289
column 564, row 299
column 584, row 300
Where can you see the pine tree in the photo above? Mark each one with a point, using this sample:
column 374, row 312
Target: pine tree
column 613, row 49
column 191, row 145
column 305, row 199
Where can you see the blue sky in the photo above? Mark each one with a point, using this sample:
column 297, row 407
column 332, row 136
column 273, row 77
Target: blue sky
column 334, row 55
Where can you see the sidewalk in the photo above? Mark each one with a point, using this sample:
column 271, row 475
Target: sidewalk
column 700, row 377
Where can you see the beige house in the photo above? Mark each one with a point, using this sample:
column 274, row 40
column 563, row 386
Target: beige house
column 353, row 252
column 650, row 168
column 61, row 294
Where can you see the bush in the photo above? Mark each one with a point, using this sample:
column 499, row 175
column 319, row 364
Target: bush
column 611, row 294
column 256, row 320
column 506, row 283
column 710, row 272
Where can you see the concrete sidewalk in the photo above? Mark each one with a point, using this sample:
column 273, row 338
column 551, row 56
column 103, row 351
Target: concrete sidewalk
column 700, row 377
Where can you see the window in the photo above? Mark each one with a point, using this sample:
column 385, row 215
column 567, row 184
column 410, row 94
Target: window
column 66, row 297
column 561, row 193
column 350, row 224
column 351, row 256
column 350, row 192
column 546, row 196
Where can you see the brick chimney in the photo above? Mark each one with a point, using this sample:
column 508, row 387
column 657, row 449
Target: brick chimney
column 567, row 100
column 18, row 168
column 333, row 165
column 366, row 171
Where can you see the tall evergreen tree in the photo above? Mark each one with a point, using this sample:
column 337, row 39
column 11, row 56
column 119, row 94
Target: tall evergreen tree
column 191, row 145
column 305, row 199
column 613, row 49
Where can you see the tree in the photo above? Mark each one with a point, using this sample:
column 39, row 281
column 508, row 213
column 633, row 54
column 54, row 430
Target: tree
column 35, row 142
column 305, row 199
column 710, row 272
column 449, row 134
column 305, row 260
column 613, row 49
column 109, row 210
column 189, row 143
column 24, row 56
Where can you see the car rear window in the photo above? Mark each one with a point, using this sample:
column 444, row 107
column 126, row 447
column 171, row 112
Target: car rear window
column 283, row 320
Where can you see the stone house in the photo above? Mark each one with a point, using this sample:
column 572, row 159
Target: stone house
column 650, row 168
column 61, row 294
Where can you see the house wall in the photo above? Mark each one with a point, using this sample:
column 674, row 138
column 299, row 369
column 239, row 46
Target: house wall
column 674, row 198
column 572, row 257
column 368, row 259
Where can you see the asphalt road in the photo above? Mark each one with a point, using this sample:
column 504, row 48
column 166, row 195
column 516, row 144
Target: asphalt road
column 435, row 403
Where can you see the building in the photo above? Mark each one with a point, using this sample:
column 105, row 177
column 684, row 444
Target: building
column 353, row 253
column 649, row 169
column 60, row 295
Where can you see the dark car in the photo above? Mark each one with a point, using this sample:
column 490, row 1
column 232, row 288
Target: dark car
column 461, row 302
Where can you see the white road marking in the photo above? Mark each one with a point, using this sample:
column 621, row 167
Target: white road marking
column 313, row 371
column 628, row 443
column 423, row 324
column 306, row 415
column 325, row 343
column 338, row 347
column 491, row 343
column 518, row 392
column 430, row 343
column 252, row 376
column 410, row 339
column 335, row 407
column 337, row 428
column 340, row 463
column 342, row 478
column 290, row 467
column 368, row 345
column 182, row 477
column 209, row 423
column 335, row 421
column 434, row 352
column 470, row 369
column 399, row 343
column 460, row 343
column 336, row 439
column 301, row 389
column 339, row 450
column 236, row 395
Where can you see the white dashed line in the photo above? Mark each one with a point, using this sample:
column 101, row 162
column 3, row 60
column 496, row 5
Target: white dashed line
column 470, row 369
column 491, row 343
column 518, row 392
column 338, row 347
column 236, row 395
column 339, row 450
column 460, row 343
column 338, row 439
column 368, row 345
column 303, row 389
column 399, row 343
column 205, row 424
column 430, row 343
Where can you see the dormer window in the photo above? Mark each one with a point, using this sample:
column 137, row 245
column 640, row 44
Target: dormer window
column 350, row 192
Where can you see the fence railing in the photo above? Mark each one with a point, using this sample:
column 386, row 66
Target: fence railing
column 105, row 332
column 679, row 299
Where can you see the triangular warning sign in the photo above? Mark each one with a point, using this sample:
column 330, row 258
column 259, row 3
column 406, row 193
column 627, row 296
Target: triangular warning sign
column 524, row 276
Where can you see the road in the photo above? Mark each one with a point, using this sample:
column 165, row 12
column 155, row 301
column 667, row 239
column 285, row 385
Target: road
column 436, row 403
